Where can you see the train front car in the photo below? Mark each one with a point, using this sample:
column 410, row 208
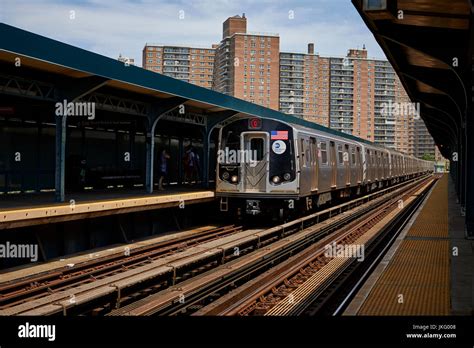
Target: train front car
column 256, row 167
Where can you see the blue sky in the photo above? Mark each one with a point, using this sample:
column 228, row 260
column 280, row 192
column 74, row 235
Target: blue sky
column 124, row 26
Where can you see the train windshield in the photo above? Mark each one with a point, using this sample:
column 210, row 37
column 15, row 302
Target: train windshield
column 257, row 148
column 231, row 140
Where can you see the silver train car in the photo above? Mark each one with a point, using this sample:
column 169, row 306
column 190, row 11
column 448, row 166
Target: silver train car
column 267, row 166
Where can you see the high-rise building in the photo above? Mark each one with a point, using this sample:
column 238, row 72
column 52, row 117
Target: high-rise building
column 304, row 85
column 382, row 110
column 247, row 64
column 361, row 90
column 424, row 143
column 353, row 94
column 405, row 117
column 191, row 64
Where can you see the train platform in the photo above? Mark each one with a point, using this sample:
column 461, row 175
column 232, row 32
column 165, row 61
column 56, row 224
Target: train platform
column 429, row 268
column 35, row 209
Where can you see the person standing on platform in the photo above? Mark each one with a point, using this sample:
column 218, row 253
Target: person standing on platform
column 197, row 166
column 189, row 160
column 164, row 157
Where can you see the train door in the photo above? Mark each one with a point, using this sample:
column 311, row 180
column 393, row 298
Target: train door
column 305, row 166
column 354, row 169
column 255, row 146
column 390, row 158
column 333, row 163
column 383, row 156
column 359, row 165
column 314, row 163
column 387, row 165
column 368, row 162
column 347, row 164
column 377, row 165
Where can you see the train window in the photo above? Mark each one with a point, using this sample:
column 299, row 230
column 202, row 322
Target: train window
column 302, row 153
column 353, row 156
column 346, row 154
column 324, row 153
column 340, row 155
column 257, row 147
column 313, row 151
column 308, row 158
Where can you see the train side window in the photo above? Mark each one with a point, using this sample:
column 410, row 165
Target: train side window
column 353, row 156
column 340, row 155
column 324, row 153
column 256, row 146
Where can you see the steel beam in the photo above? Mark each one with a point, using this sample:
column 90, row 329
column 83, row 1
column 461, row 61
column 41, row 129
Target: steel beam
column 71, row 92
column 59, row 182
column 469, row 163
column 15, row 85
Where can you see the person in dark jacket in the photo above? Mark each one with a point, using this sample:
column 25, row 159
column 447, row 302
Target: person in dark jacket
column 163, row 168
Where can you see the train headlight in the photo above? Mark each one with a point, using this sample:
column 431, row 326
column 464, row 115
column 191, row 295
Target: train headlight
column 225, row 175
column 287, row 176
column 276, row 179
column 234, row 178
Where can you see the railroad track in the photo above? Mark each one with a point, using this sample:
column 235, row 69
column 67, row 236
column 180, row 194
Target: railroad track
column 37, row 286
column 196, row 293
column 191, row 274
column 296, row 284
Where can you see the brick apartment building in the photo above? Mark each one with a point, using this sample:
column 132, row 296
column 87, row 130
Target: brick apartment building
column 246, row 64
column 353, row 94
column 191, row 64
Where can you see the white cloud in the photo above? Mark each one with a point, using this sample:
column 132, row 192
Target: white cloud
column 124, row 26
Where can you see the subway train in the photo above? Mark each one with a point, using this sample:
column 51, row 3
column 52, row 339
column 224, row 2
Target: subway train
column 269, row 167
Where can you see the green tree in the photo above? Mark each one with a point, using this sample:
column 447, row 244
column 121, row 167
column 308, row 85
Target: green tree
column 428, row 157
